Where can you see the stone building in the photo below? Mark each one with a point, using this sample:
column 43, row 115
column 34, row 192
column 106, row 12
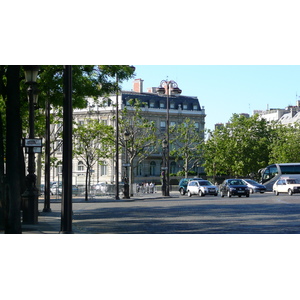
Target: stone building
column 155, row 108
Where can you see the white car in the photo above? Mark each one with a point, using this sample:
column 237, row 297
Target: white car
column 100, row 187
column 201, row 188
column 286, row 185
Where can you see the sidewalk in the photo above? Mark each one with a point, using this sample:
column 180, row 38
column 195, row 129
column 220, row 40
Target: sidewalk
column 50, row 222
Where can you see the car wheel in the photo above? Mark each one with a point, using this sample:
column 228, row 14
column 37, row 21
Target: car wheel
column 189, row 194
column 276, row 193
column 200, row 193
column 216, row 194
column 247, row 195
column 182, row 192
column 251, row 191
column 290, row 192
column 222, row 195
column 228, row 194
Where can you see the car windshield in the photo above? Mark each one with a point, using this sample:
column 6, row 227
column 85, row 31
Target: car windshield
column 204, row 182
column 236, row 182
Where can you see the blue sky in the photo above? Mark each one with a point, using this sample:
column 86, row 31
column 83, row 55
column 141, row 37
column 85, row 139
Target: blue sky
column 227, row 89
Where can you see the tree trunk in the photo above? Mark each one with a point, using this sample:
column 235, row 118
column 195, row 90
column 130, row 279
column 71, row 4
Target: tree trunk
column 13, row 138
column 131, row 190
column 2, row 189
column 86, row 183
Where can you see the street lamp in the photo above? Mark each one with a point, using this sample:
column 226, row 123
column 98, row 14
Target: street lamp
column 30, row 196
column 169, row 88
column 164, row 168
column 117, row 197
column 126, row 177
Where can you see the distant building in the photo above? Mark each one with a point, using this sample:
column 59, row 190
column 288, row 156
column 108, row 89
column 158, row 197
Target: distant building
column 288, row 115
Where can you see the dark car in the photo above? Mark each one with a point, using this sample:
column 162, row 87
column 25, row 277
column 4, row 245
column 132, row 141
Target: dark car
column 254, row 186
column 183, row 184
column 234, row 187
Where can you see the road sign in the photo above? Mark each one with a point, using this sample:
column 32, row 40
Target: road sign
column 32, row 142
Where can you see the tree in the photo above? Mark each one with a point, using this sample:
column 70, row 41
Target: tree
column 285, row 144
column 186, row 144
column 239, row 148
column 142, row 135
column 88, row 81
column 92, row 142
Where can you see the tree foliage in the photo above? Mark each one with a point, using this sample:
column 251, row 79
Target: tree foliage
column 92, row 142
column 142, row 134
column 186, row 144
column 285, row 144
column 239, row 148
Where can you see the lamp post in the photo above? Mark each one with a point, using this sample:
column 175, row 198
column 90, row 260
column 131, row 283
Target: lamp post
column 117, row 197
column 164, row 168
column 66, row 202
column 47, row 159
column 168, row 87
column 30, row 196
column 126, row 181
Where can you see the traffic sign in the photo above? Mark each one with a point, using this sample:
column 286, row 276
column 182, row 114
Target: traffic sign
column 32, row 142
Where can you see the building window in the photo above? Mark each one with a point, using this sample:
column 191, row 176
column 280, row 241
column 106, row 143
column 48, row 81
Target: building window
column 80, row 166
column 172, row 105
column 172, row 123
column 103, row 168
column 152, row 168
column 59, row 170
column 196, row 125
column 185, row 106
column 162, row 104
column 139, row 169
column 162, row 124
column 195, row 107
column 173, row 167
column 59, row 146
column 152, row 104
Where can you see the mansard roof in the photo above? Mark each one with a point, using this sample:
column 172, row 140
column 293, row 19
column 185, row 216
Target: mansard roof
column 154, row 100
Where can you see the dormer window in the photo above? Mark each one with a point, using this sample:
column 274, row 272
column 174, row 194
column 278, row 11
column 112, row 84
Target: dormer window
column 195, row 107
column 172, row 105
column 152, row 103
column 162, row 104
column 185, row 106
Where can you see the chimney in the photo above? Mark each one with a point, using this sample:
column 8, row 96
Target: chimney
column 138, row 85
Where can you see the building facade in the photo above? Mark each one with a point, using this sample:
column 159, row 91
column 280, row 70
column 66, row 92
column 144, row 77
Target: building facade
column 154, row 109
column 285, row 116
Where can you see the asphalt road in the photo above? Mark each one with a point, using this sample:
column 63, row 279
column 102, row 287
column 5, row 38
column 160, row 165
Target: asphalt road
column 258, row 214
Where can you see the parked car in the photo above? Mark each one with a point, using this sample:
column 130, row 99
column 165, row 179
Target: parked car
column 100, row 187
column 254, row 186
column 56, row 189
column 234, row 187
column 183, row 184
column 201, row 188
column 75, row 190
column 286, row 185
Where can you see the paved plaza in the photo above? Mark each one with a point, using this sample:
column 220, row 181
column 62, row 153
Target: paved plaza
column 155, row 214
